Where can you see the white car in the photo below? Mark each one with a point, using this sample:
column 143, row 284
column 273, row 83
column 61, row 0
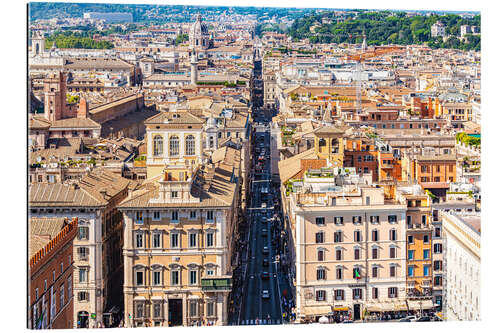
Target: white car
column 265, row 293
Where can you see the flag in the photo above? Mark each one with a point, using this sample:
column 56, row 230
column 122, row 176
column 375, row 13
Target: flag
column 356, row 274
column 39, row 321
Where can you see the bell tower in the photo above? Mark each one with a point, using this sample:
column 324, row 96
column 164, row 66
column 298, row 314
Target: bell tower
column 37, row 45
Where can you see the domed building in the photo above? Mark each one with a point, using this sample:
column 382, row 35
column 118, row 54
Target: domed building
column 199, row 38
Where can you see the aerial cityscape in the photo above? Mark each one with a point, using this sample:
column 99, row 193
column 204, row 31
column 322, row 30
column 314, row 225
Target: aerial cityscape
column 228, row 166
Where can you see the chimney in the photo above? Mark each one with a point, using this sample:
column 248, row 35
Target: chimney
column 83, row 109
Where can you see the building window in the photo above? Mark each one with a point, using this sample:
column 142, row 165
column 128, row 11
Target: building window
column 156, row 278
column 70, row 286
column 392, row 252
column 392, row 292
column 375, row 235
column 210, row 239
column 174, row 240
column 357, row 293
column 320, row 295
column 374, row 293
column 139, row 240
column 83, row 253
column 410, row 271
column 375, row 271
column 437, row 232
column 339, row 294
column 157, row 310
column 138, row 218
column 374, row 253
column 82, row 275
column 139, row 310
column 427, row 269
column 174, row 145
column 424, row 220
column 320, row 220
column 139, row 278
column 321, row 255
column 193, row 277
column 392, row 234
column 157, row 239
column 411, row 254
column 156, row 216
column 158, row 145
column 193, row 239
column 339, row 220
column 393, row 218
column 374, row 219
column 426, row 254
column 339, row 273
column 438, row 281
column 356, row 220
column 438, row 248
column 175, row 216
column 338, row 254
column 210, row 309
column 210, row 216
column 392, row 270
column 82, row 296
column 174, row 194
column 174, row 278
column 357, row 254
column 190, row 145
column 438, row 265
column 320, row 274
column 192, row 215
column 337, row 237
column 410, row 239
column 357, row 236
column 193, row 308
column 83, row 233
column 320, row 237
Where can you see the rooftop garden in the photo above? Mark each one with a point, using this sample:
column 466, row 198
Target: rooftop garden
column 286, row 136
column 468, row 139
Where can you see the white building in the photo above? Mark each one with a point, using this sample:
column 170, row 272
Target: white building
column 462, row 264
column 438, row 29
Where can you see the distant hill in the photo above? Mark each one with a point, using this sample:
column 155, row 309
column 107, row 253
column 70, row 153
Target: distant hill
column 385, row 27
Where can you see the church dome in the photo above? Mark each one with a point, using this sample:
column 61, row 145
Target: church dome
column 198, row 28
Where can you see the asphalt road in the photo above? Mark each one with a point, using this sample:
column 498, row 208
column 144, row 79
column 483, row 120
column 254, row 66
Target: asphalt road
column 255, row 308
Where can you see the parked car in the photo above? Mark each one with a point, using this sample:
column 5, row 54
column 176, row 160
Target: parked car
column 424, row 318
column 265, row 262
column 264, row 232
column 265, row 250
column 404, row 320
column 265, row 293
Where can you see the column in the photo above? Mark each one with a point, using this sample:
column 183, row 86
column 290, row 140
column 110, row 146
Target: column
column 165, row 311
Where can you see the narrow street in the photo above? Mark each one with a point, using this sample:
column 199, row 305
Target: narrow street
column 258, row 295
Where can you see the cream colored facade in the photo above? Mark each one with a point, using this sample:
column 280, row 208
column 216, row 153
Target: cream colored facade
column 178, row 235
column 360, row 230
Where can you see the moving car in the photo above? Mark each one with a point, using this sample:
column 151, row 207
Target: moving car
column 264, row 232
column 265, row 293
column 265, row 262
column 265, row 275
column 265, row 250
column 425, row 318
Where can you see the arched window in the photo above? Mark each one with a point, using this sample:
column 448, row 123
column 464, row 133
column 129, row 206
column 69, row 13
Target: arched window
column 212, row 141
column 322, row 142
column 158, row 145
column 190, row 148
column 174, row 145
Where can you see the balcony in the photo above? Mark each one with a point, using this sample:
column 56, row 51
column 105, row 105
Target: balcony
column 217, row 284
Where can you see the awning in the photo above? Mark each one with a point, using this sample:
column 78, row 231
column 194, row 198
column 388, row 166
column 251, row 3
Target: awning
column 342, row 308
column 373, row 308
column 426, row 304
column 316, row 310
column 400, row 306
